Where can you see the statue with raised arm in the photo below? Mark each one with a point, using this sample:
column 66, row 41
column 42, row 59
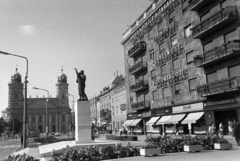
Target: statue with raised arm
column 81, row 79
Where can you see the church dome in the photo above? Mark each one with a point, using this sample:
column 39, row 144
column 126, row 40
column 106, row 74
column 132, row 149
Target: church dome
column 16, row 77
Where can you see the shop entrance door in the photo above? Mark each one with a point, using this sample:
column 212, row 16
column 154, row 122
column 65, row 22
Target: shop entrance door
column 224, row 117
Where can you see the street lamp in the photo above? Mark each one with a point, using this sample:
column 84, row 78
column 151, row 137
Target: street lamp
column 46, row 107
column 25, row 98
column 72, row 109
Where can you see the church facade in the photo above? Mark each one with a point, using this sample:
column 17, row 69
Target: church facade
column 57, row 109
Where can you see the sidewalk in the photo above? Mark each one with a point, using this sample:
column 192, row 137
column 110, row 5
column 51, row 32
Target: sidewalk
column 33, row 150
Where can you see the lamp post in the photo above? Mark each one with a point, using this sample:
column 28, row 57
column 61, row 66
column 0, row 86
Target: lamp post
column 46, row 107
column 72, row 109
column 25, row 98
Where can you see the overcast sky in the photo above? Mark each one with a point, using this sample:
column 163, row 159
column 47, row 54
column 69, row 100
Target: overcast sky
column 82, row 34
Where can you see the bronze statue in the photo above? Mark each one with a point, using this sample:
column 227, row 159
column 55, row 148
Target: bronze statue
column 81, row 79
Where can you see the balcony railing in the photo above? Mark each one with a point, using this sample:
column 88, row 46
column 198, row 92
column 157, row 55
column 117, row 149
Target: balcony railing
column 217, row 54
column 138, row 48
column 141, row 105
column 195, row 5
column 220, row 87
column 138, row 67
column 215, row 21
column 142, row 85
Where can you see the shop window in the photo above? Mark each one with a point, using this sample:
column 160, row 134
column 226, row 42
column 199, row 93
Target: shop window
column 185, row 6
column 177, row 88
column 155, row 95
column 230, row 36
column 190, row 56
column 176, row 64
column 151, row 54
column 211, row 77
column 192, row 84
column 234, row 71
column 150, row 34
column 166, row 92
column 226, row 3
column 174, row 40
column 207, row 46
column 153, row 75
column 163, row 69
column 187, row 31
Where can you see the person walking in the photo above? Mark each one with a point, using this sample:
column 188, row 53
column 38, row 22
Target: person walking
column 236, row 131
column 220, row 130
column 230, row 127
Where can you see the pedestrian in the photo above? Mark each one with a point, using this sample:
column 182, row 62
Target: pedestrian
column 212, row 129
column 220, row 130
column 236, row 131
column 230, row 127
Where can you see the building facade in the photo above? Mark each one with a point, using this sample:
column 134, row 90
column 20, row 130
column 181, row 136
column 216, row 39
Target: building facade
column 182, row 66
column 94, row 110
column 57, row 109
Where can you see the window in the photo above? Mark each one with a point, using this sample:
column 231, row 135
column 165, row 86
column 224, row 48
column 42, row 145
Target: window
column 176, row 64
column 204, row 16
column 207, row 46
column 63, row 118
column 146, row 98
column 150, row 34
column 117, row 110
column 177, row 88
column 187, row 31
column 174, row 40
column 234, row 71
column 161, row 48
column 171, row 17
column 40, row 119
column 113, row 111
column 192, row 84
column 190, row 56
column 155, row 95
column 152, row 54
column 53, row 119
column 153, row 75
column 163, row 69
column 185, row 6
column 166, row 92
column 211, row 77
column 227, row 3
column 230, row 36
column 160, row 26
column 33, row 119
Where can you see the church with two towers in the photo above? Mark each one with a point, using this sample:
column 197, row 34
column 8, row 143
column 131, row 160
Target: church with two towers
column 58, row 110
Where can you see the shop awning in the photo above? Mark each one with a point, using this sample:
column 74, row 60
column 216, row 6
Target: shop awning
column 175, row 119
column 192, row 117
column 163, row 119
column 152, row 121
column 128, row 122
column 135, row 122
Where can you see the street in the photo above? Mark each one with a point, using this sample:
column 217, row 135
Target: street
column 7, row 147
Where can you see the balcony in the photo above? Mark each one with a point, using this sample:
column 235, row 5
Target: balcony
column 216, row 21
column 142, row 85
column 225, row 86
column 196, row 5
column 141, row 105
column 138, row 67
column 218, row 54
column 138, row 48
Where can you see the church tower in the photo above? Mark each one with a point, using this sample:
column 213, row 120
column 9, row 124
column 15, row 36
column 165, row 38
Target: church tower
column 62, row 90
column 15, row 91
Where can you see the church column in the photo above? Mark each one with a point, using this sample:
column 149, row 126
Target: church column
column 36, row 127
column 43, row 123
column 60, row 122
column 56, row 122
column 67, row 122
column 29, row 121
column 50, row 122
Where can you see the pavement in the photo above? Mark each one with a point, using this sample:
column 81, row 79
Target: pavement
column 205, row 155
column 8, row 147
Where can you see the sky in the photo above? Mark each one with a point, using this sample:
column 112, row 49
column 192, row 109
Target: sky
column 64, row 34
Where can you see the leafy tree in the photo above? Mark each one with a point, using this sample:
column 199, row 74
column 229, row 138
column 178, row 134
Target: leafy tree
column 3, row 125
column 106, row 116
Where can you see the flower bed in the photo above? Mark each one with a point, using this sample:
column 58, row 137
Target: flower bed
column 123, row 138
column 52, row 139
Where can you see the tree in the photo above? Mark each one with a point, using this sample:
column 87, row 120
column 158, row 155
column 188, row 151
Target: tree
column 106, row 116
column 3, row 125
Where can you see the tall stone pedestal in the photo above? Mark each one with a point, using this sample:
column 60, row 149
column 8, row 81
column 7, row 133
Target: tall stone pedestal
column 83, row 123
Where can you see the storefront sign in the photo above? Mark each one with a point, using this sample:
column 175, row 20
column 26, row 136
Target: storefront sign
column 123, row 107
column 187, row 108
column 147, row 114
column 160, row 112
column 132, row 116
column 168, row 6
column 170, row 79
column 221, row 102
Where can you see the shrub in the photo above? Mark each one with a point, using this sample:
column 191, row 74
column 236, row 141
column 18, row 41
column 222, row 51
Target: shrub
column 19, row 157
column 123, row 138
